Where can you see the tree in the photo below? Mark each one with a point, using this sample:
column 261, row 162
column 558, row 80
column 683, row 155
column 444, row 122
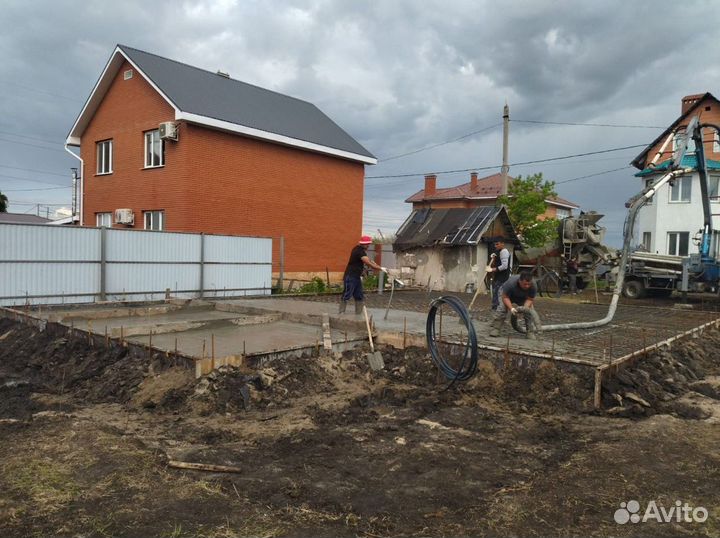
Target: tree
column 525, row 202
column 3, row 203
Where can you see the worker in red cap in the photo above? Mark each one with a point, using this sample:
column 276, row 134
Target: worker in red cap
column 351, row 279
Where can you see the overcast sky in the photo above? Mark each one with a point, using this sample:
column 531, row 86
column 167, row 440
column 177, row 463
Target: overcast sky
column 397, row 75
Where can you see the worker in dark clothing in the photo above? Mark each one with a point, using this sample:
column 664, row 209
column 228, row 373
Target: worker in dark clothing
column 500, row 270
column 519, row 290
column 353, row 272
column 572, row 271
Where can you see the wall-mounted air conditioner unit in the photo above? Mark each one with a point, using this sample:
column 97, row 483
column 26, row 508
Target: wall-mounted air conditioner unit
column 124, row 216
column 168, row 131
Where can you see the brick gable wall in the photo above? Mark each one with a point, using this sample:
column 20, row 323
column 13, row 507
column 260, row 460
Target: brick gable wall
column 216, row 182
column 709, row 112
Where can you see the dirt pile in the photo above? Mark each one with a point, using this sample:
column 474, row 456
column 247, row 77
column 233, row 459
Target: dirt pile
column 657, row 383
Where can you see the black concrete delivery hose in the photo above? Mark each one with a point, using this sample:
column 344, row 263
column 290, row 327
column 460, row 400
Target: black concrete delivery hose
column 468, row 367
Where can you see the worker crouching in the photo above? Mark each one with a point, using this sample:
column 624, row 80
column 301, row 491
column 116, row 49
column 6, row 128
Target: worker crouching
column 516, row 298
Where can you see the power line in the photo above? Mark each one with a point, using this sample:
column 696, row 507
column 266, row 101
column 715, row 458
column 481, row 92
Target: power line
column 43, row 189
column 30, row 137
column 40, row 91
column 440, row 144
column 31, row 145
column 592, row 175
column 512, row 164
column 32, row 170
column 28, row 179
column 590, row 124
column 11, row 202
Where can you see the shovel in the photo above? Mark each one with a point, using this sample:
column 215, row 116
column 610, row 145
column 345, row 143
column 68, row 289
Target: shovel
column 392, row 290
column 374, row 357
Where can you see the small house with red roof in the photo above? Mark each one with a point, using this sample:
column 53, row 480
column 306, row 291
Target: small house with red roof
column 447, row 240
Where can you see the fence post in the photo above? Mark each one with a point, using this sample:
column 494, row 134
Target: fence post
column 282, row 262
column 103, row 263
column 202, row 264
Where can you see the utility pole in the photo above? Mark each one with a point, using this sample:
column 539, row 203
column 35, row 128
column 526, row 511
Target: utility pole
column 505, row 166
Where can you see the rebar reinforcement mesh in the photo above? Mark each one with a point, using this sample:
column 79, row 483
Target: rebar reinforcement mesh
column 636, row 325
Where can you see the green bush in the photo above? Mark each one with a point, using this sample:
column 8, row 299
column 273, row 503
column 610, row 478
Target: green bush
column 316, row 285
column 370, row 282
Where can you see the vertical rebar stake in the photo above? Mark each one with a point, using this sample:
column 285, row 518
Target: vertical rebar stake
column 644, row 343
column 404, row 332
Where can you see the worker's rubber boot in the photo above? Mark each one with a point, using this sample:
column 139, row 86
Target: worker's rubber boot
column 358, row 307
column 495, row 328
column 343, row 306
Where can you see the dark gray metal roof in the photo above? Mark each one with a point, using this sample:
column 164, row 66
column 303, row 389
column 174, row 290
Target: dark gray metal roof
column 453, row 227
column 22, row 218
column 208, row 94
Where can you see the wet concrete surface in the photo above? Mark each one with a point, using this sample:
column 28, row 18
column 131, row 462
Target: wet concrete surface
column 259, row 325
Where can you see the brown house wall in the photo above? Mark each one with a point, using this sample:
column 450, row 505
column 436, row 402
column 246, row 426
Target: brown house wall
column 221, row 183
column 706, row 116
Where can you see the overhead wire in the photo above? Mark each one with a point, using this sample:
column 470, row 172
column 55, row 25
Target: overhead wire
column 536, row 161
column 468, row 135
column 588, row 124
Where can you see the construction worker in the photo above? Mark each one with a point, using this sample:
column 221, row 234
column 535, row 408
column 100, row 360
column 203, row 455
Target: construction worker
column 351, row 279
column 572, row 271
column 519, row 290
column 500, row 269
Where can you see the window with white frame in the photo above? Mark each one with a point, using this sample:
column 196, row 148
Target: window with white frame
column 680, row 190
column 154, row 220
column 678, row 243
column 713, row 184
column 103, row 219
column 647, row 241
column 649, row 183
column 561, row 213
column 154, row 149
column 104, row 157
column 678, row 138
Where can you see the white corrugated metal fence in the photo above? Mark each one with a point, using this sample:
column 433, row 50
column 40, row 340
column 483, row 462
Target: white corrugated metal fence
column 56, row 264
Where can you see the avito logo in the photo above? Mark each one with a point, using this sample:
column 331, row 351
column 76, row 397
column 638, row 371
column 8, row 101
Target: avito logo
column 679, row 513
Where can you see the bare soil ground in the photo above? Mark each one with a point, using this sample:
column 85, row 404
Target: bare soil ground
column 326, row 447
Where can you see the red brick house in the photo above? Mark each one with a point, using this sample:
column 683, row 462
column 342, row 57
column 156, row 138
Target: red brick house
column 478, row 192
column 165, row 145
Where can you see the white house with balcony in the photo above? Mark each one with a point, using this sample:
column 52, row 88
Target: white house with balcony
column 670, row 222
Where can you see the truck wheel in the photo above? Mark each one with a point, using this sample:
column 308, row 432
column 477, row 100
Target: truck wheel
column 633, row 289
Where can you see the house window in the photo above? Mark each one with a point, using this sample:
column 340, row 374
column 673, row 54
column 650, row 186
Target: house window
column 103, row 219
column 154, row 220
column 678, row 243
column 679, row 138
column 104, row 157
column 713, row 184
column 649, row 183
column 680, row 190
column 154, row 150
column 647, row 241
column 561, row 213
